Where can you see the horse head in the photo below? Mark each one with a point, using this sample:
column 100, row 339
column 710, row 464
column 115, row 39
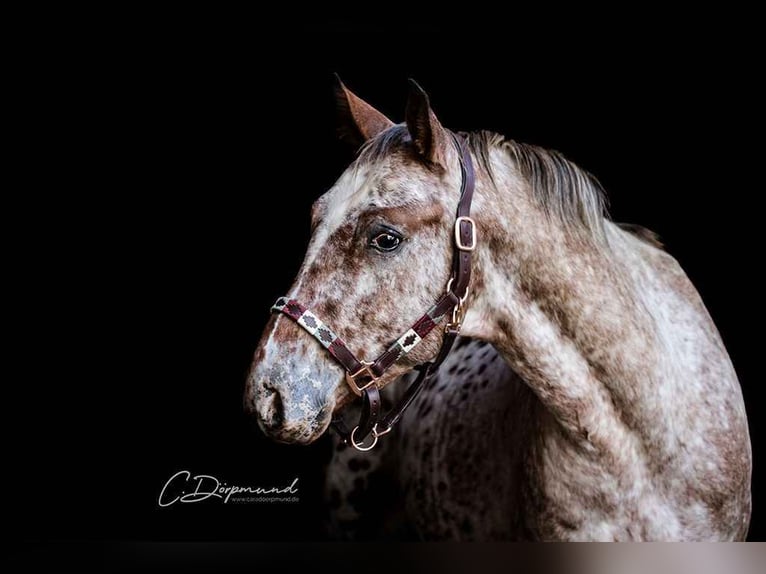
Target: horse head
column 379, row 255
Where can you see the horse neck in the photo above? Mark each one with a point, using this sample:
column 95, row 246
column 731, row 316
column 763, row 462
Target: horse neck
column 560, row 305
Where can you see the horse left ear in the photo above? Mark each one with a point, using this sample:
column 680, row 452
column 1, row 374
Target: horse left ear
column 358, row 121
column 428, row 135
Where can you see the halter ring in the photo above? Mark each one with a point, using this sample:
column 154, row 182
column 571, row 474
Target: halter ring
column 359, row 446
column 449, row 289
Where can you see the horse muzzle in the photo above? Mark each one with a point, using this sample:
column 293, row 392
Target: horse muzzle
column 287, row 408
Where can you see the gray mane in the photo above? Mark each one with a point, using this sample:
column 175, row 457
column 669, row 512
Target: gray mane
column 563, row 190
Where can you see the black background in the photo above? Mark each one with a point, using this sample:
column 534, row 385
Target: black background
column 186, row 152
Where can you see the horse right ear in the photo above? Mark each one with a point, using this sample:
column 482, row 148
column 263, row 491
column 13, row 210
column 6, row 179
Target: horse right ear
column 358, row 121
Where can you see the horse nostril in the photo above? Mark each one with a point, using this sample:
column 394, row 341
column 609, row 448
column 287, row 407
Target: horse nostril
column 272, row 411
column 277, row 409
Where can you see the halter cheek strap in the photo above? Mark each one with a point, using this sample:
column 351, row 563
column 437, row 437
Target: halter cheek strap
column 362, row 376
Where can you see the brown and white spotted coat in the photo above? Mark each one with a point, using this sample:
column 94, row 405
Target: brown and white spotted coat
column 607, row 407
column 433, row 479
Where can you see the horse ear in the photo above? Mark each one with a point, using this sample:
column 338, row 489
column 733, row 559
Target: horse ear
column 428, row 135
column 358, row 121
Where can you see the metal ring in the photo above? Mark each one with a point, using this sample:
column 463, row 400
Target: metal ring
column 358, row 446
column 448, row 290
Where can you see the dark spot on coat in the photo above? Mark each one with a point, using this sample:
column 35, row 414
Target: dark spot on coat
column 462, row 342
column 566, row 524
column 329, row 309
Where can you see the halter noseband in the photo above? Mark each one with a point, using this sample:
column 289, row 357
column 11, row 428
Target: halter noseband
column 362, row 376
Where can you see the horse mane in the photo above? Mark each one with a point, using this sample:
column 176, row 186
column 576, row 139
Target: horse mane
column 642, row 233
column 562, row 189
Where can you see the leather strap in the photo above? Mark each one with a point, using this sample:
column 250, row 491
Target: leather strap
column 464, row 225
column 340, row 351
column 362, row 376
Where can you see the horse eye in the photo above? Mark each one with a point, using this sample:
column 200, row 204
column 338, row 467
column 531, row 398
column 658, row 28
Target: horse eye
column 385, row 242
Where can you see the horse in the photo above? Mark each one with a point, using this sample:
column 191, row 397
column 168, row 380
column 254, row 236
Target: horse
column 590, row 396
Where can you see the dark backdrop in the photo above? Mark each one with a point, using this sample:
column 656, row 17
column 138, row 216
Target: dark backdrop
column 191, row 150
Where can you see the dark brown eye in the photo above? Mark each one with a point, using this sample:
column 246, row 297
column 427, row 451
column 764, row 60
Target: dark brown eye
column 385, row 242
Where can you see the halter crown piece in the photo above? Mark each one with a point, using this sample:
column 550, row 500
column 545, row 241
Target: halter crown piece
column 362, row 376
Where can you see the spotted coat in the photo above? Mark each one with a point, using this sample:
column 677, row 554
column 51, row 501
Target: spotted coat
column 601, row 403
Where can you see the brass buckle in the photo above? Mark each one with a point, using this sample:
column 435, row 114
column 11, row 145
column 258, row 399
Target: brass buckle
column 456, row 322
column 364, row 371
column 459, row 240
column 458, row 311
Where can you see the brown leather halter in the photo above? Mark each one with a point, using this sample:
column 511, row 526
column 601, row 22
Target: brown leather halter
column 362, row 376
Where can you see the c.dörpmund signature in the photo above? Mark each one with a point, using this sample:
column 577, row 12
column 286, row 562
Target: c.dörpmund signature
column 181, row 488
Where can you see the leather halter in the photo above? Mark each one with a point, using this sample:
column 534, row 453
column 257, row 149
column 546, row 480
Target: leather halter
column 362, row 376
